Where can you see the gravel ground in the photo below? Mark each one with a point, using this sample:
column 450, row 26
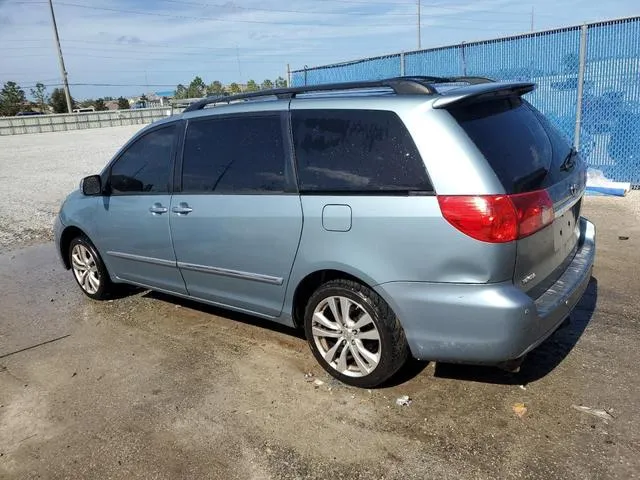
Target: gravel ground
column 62, row 158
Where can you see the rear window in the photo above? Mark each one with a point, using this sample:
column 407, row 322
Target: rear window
column 523, row 148
column 356, row 151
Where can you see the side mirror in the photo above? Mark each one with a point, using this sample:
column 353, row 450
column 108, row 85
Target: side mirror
column 91, row 185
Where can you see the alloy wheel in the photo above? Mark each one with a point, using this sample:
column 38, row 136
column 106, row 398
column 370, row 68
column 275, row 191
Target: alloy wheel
column 85, row 269
column 346, row 336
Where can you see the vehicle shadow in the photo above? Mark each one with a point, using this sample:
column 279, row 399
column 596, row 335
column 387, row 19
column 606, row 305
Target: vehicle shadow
column 540, row 361
column 412, row 368
column 228, row 314
column 123, row 290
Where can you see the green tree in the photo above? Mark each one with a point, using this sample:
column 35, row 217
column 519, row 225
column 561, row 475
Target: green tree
column 99, row 105
column 234, row 88
column 281, row 83
column 197, row 88
column 267, row 85
column 86, row 103
column 58, row 101
column 39, row 93
column 215, row 89
column 11, row 99
column 181, row 92
column 123, row 104
column 252, row 86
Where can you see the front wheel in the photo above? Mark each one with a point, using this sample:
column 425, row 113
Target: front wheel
column 354, row 334
column 88, row 269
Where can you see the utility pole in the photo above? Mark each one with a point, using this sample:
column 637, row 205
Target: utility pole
column 238, row 58
column 419, row 22
column 532, row 18
column 63, row 71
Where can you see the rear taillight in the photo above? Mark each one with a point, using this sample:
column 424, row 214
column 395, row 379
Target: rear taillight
column 535, row 211
column 498, row 218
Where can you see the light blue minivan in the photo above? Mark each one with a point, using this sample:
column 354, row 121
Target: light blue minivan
column 387, row 218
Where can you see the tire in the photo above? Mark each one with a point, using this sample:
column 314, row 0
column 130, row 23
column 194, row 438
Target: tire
column 95, row 283
column 346, row 347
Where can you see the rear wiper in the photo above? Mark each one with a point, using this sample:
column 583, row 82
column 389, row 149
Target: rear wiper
column 532, row 181
column 569, row 161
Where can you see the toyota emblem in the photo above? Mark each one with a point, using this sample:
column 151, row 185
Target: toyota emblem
column 573, row 189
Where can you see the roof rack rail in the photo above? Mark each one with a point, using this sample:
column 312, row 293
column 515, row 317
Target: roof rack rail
column 414, row 85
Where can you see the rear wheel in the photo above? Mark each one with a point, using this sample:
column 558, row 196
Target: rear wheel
column 354, row 334
column 88, row 269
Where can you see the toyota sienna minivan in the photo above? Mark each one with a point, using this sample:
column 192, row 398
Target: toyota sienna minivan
column 423, row 216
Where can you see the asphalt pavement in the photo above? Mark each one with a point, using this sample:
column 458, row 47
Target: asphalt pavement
column 150, row 386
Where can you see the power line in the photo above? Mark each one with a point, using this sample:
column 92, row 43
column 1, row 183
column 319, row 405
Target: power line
column 259, row 22
column 151, row 72
column 119, row 44
column 107, row 85
column 435, row 6
column 193, row 17
column 305, row 12
column 270, row 10
column 152, row 57
column 354, row 14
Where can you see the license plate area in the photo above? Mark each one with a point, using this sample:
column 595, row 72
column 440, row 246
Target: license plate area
column 566, row 230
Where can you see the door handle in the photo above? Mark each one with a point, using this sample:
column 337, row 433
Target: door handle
column 182, row 209
column 157, row 208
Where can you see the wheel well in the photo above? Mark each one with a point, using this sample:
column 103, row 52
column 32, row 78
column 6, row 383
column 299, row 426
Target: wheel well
column 68, row 234
column 310, row 284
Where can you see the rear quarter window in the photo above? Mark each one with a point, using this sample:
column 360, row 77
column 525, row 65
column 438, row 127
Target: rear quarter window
column 356, row 151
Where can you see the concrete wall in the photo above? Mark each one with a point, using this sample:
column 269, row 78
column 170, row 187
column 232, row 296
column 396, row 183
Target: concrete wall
column 77, row 121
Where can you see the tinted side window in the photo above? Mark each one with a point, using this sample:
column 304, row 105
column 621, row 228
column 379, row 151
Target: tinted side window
column 145, row 166
column 512, row 139
column 234, row 155
column 356, row 151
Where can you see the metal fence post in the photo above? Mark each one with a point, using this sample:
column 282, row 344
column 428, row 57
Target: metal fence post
column 464, row 60
column 581, row 71
column 402, row 65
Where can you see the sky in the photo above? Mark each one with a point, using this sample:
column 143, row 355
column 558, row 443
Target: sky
column 130, row 47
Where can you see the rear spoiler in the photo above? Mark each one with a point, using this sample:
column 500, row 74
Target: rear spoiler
column 481, row 92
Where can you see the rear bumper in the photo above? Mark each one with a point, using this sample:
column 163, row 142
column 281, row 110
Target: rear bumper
column 487, row 323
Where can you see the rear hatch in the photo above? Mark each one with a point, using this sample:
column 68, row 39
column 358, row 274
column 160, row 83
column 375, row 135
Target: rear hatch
column 529, row 156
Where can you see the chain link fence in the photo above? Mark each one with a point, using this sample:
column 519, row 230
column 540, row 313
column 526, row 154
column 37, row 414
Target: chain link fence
column 588, row 81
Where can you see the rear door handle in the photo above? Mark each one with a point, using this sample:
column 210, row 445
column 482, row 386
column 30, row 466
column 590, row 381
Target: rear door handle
column 157, row 208
column 182, row 209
